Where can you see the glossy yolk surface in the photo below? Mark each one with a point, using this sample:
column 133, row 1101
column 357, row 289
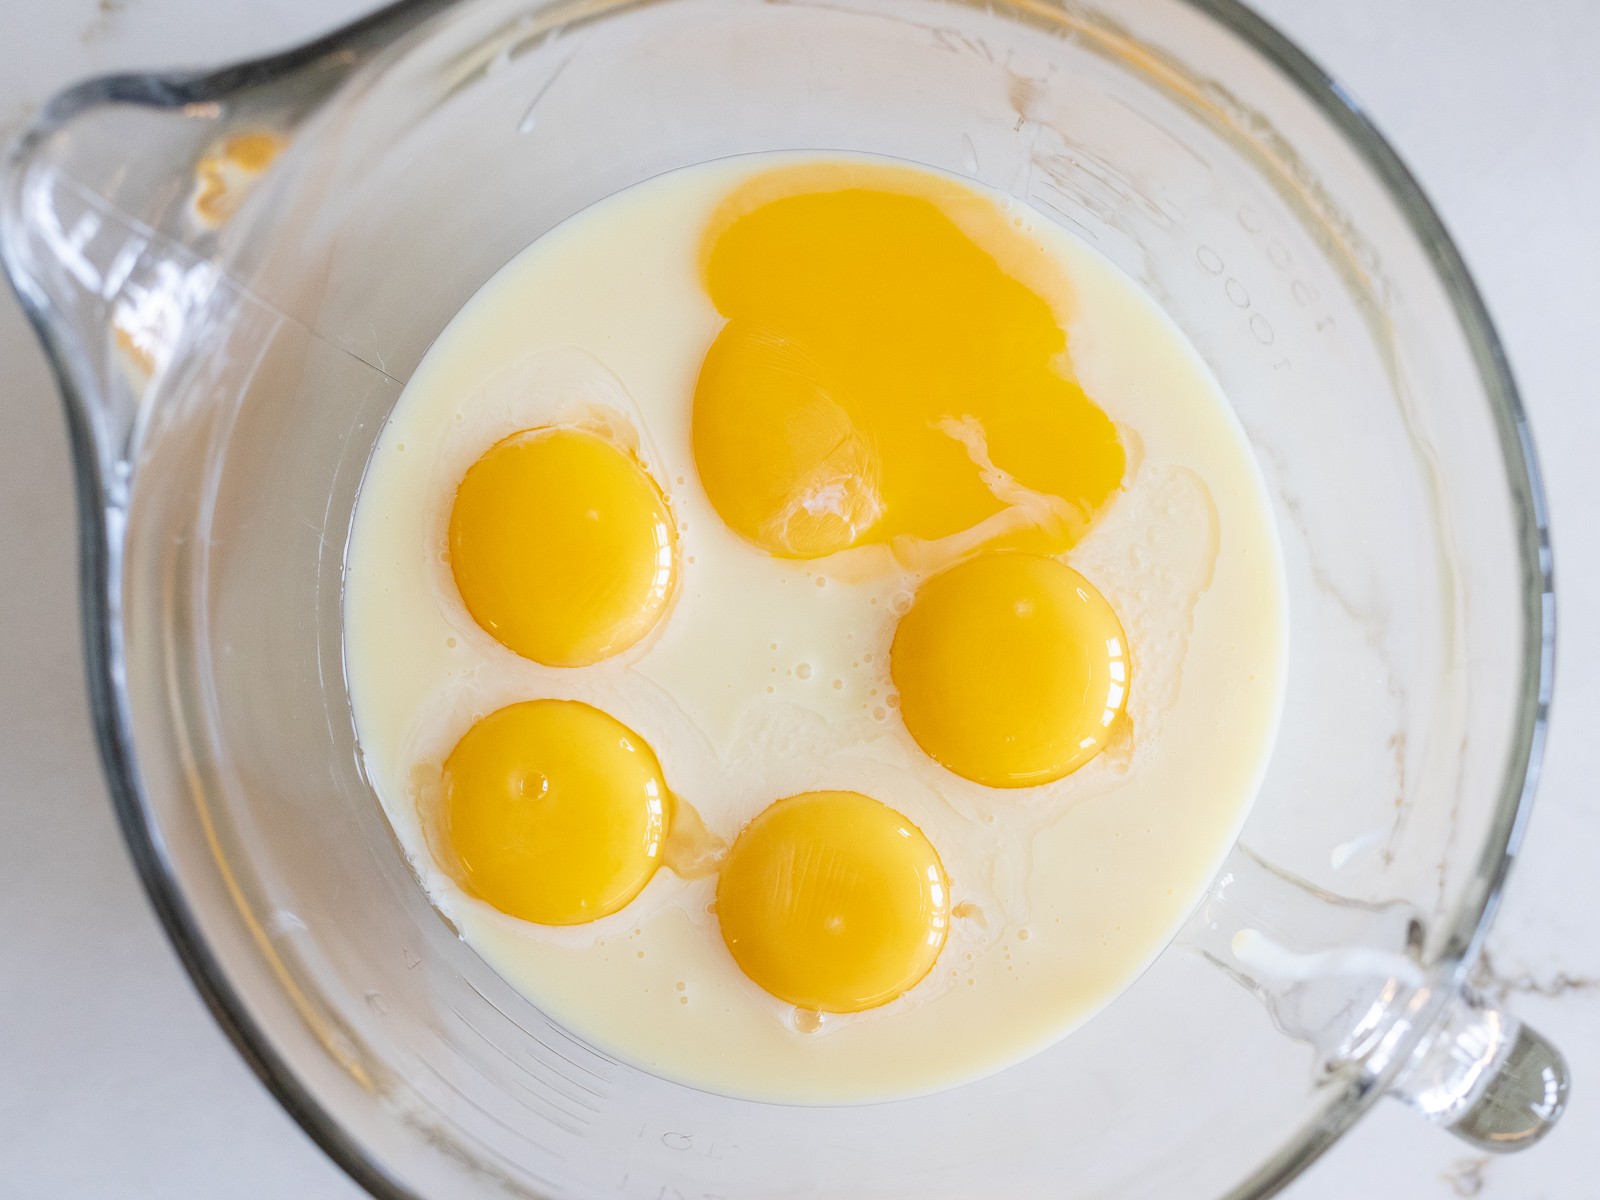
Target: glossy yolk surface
column 552, row 811
column 1012, row 669
column 562, row 546
column 833, row 902
column 893, row 365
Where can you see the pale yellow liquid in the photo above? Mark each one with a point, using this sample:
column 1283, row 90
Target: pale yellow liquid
column 769, row 677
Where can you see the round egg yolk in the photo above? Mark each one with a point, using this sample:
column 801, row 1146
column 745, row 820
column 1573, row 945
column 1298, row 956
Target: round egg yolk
column 562, row 546
column 1012, row 669
column 553, row 811
column 891, row 368
column 833, row 901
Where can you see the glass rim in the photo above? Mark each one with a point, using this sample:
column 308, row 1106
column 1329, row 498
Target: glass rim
column 100, row 574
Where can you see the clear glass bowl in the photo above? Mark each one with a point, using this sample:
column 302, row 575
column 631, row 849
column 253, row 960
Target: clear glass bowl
column 225, row 382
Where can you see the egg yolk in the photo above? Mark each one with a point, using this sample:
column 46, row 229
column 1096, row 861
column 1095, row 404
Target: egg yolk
column 890, row 368
column 562, row 546
column 1012, row 669
column 553, row 811
column 833, row 902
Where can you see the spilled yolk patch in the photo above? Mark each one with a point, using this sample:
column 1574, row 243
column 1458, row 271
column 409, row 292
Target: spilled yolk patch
column 893, row 368
column 553, row 812
column 562, row 546
column 224, row 177
column 833, row 902
column 1012, row 669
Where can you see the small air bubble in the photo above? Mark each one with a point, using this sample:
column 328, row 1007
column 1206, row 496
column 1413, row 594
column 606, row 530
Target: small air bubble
column 878, row 714
column 822, row 581
column 866, row 658
column 641, row 954
column 711, row 908
column 970, row 982
column 683, row 999
column 450, row 642
column 401, row 447
column 803, row 671
column 680, row 480
column 1023, row 935
column 770, row 689
column 838, row 684
column 689, row 559
column 774, row 645
column 682, row 986
column 892, row 700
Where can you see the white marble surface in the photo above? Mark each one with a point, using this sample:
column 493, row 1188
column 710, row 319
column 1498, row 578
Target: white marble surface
column 113, row 1080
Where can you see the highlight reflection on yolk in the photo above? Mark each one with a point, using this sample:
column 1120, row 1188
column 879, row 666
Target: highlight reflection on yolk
column 833, row 902
column 1012, row 669
column 553, row 812
column 562, row 546
column 890, row 369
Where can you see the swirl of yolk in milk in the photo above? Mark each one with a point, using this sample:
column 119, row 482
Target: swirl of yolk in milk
column 833, row 902
column 552, row 811
column 893, row 369
column 562, row 546
column 1012, row 669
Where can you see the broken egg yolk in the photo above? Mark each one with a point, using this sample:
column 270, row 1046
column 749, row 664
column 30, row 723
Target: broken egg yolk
column 893, row 366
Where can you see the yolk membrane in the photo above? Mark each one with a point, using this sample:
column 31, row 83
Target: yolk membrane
column 1012, row 669
column 833, row 902
column 891, row 368
column 562, row 546
column 553, row 812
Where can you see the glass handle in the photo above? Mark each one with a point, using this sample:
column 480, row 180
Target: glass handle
column 1487, row 1078
column 1345, row 977
column 1331, row 971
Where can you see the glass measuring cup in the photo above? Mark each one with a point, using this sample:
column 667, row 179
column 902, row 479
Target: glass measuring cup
column 229, row 356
